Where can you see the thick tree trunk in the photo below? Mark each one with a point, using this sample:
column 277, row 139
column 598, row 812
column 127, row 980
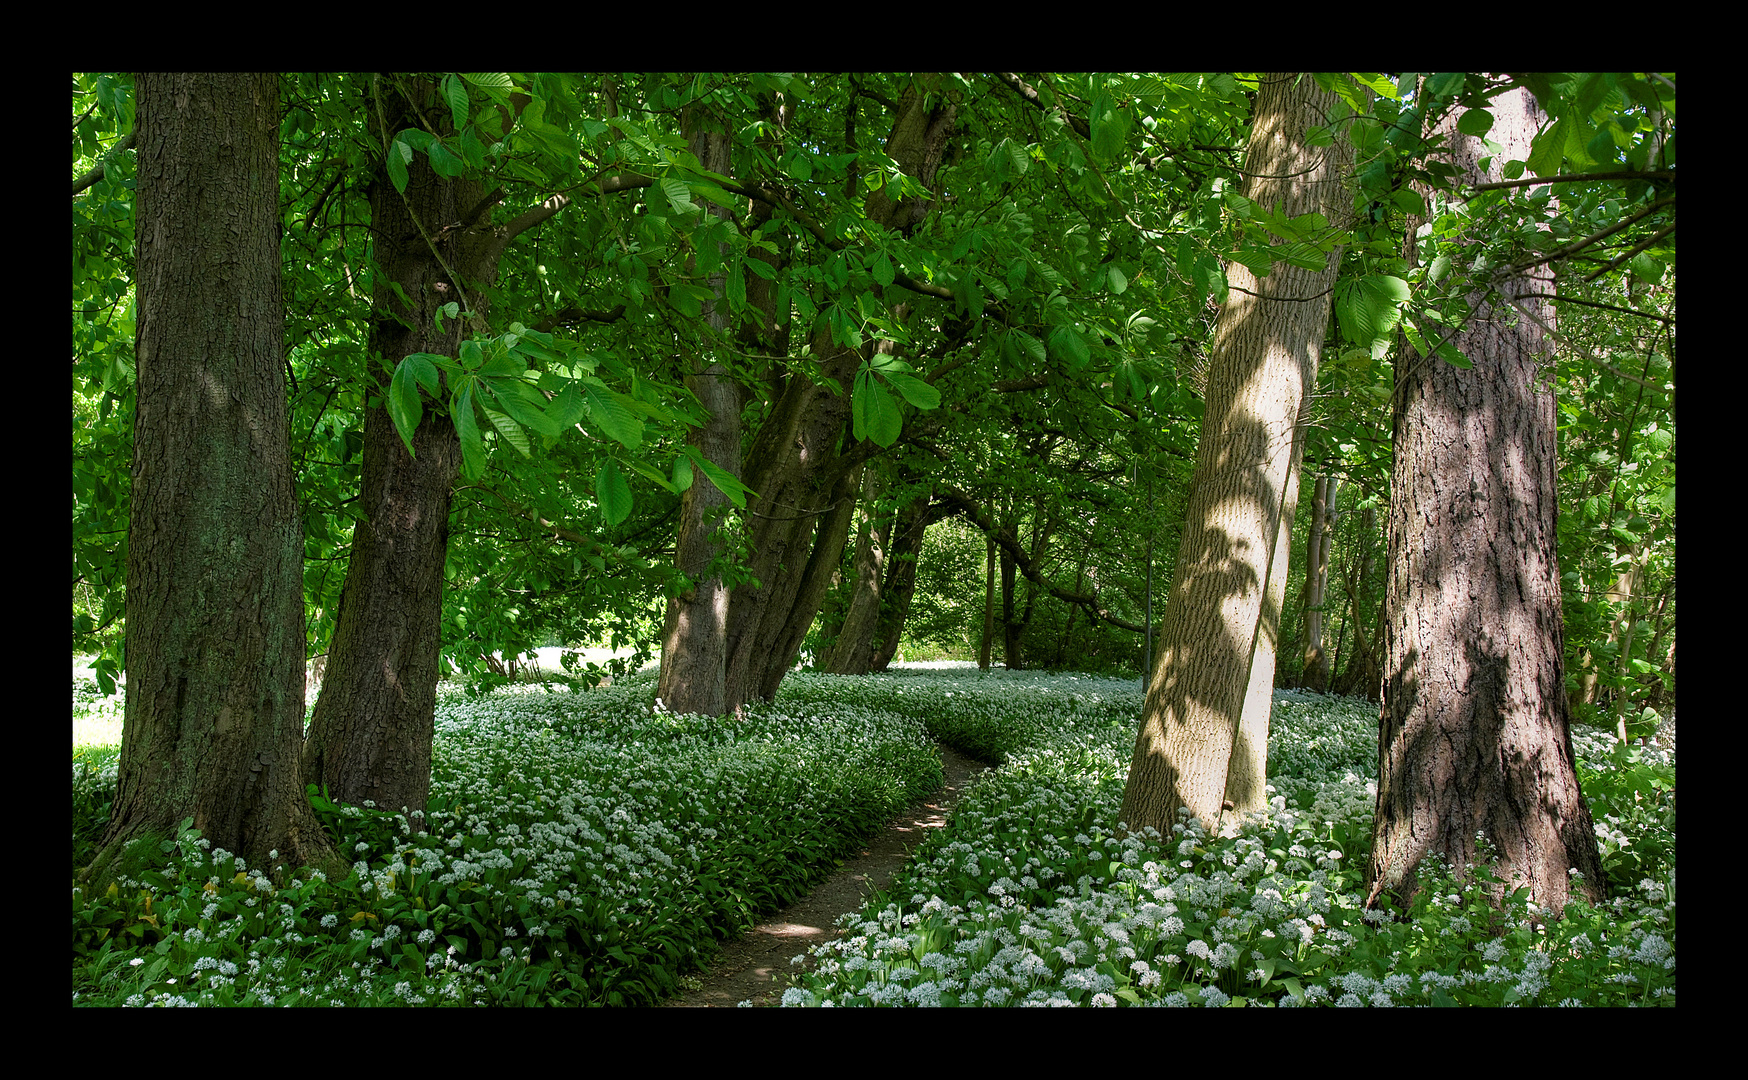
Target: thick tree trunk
column 1226, row 595
column 695, row 631
column 830, row 537
column 215, row 643
column 1474, row 736
column 370, row 735
column 796, row 464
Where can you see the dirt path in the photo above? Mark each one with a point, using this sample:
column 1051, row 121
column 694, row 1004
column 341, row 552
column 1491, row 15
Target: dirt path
column 756, row 968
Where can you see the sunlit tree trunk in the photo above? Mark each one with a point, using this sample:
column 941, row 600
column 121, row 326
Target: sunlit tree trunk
column 215, row 619
column 1198, row 740
column 1474, row 736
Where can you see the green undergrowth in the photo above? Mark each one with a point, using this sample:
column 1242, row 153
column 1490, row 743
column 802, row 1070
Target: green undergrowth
column 584, row 849
column 1033, row 896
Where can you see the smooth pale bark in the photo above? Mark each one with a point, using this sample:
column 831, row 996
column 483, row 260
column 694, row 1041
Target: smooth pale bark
column 695, row 630
column 1474, row 736
column 215, row 706
column 1198, row 739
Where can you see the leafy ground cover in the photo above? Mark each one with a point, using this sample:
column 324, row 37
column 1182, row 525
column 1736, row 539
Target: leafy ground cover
column 1031, row 896
column 585, row 849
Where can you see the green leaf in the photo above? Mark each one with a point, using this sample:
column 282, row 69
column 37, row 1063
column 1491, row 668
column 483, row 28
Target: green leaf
column 445, row 161
column 1475, row 122
column 915, row 390
column 689, row 299
column 1445, row 84
column 527, row 406
column 404, row 406
column 1066, row 341
column 456, row 94
column 1453, row 356
column 650, row 472
column 610, row 413
column 1549, row 148
column 1119, row 283
column 568, row 407
column 874, row 412
column 678, row 194
column 612, row 493
column 510, row 430
column 399, row 156
column 882, row 270
column 724, row 480
column 1370, row 307
column 473, row 456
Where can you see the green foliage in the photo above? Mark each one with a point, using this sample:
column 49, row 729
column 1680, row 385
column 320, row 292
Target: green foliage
column 621, row 844
column 1034, row 896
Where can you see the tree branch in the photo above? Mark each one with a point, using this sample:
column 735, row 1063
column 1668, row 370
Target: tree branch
column 126, row 143
column 967, row 506
column 1661, row 175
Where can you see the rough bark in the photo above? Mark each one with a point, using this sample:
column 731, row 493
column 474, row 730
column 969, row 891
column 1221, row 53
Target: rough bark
column 1474, row 735
column 214, row 657
column 853, row 651
column 1196, row 728
column 695, row 631
column 914, row 520
column 798, row 462
column 370, row 735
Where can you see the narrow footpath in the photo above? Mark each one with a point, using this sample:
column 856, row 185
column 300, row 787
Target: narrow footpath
column 756, row 968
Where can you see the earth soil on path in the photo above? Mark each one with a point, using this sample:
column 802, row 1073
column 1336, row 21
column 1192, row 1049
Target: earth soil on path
column 757, row 967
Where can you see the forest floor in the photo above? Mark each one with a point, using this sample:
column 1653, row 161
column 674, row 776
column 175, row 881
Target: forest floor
column 757, row 967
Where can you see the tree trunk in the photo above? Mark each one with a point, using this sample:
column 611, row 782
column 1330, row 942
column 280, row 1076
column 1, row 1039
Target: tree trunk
column 370, row 735
column 1362, row 672
column 795, row 464
column 695, row 630
column 215, row 645
column 914, row 519
column 1316, row 660
column 830, row 537
column 853, row 652
column 1011, row 626
column 1226, row 596
column 1474, row 737
column 988, row 604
